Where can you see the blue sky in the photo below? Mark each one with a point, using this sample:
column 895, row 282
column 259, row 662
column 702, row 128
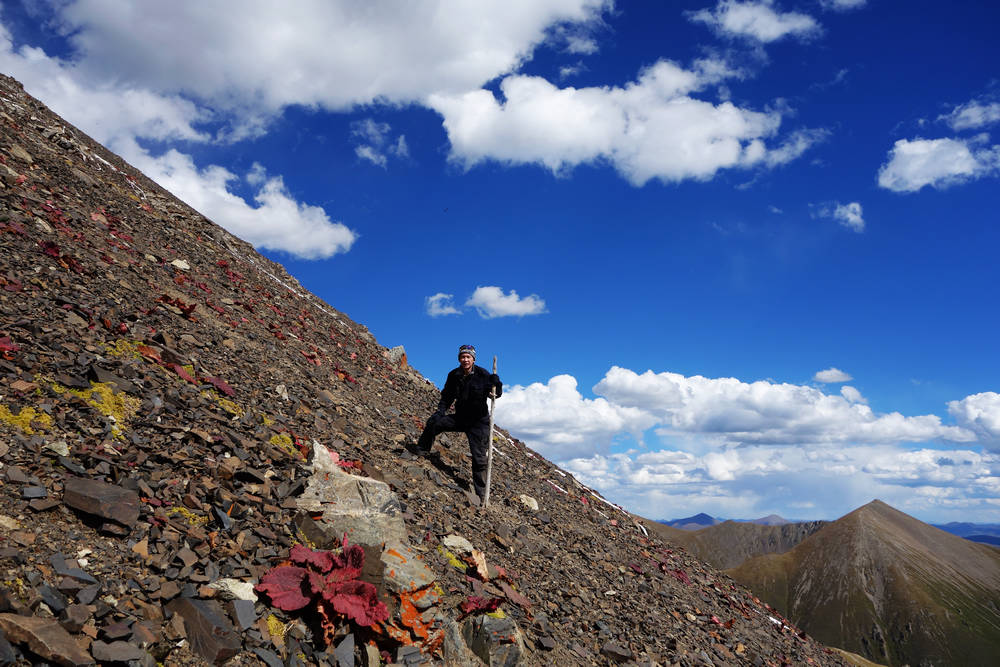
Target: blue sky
column 734, row 256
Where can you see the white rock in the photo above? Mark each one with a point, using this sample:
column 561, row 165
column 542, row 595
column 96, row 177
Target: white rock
column 9, row 523
column 234, row 589
column 457, row 543
column 59, row 447
column 528, row 502
column 181, row 264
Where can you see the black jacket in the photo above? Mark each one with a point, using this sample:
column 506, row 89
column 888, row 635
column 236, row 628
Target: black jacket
column 469, row 393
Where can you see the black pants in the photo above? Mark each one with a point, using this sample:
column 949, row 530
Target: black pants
column 478, row 432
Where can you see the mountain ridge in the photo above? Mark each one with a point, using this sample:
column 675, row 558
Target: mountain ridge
column 889, row 587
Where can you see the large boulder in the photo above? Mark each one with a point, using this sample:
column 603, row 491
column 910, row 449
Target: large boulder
column 337, row 502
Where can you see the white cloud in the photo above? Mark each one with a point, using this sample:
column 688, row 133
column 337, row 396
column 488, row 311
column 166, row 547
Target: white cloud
column 748, row 482
column 849, row 215
column 375, row 144
column 651, row 128
column 333, row 54
column 557, row 421
column 729, row 411
column 276, row 221
column 979, row 413
column 843, row 5
column 441, row 304
column 755, row 20
column 852, row 395
column 936, row 162
column 491, row 302
column 832, row 375
column 109, row 114
column 973, row 114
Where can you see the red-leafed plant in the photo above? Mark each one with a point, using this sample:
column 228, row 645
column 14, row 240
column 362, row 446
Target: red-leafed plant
column 327, row 582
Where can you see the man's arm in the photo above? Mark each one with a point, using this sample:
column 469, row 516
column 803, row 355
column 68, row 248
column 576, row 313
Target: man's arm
column 447, row 396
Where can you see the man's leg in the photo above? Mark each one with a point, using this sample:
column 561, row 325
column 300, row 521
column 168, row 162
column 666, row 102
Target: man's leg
column 479, row 449
column 434, row 427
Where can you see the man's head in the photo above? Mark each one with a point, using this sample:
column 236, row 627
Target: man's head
column 466, row 356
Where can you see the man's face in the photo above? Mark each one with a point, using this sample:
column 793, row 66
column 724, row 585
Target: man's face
column 465, row 361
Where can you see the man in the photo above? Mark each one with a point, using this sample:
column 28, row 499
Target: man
column 468, row 386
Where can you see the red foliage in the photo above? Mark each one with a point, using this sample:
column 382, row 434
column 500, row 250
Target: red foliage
column 284, row 585
column 177, row 368
column 7, row 345
column 475, row 604
column 680, row 576
column 328, row 581
column 49, row 248
column 186, row 308
column 221, row 386
column 320, row 560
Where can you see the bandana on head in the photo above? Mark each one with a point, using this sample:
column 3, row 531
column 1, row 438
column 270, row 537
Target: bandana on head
column 467, row 349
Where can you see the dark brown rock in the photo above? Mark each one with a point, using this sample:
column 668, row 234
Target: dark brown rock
column 207, row 628
column 103, row 500
column 45, row 638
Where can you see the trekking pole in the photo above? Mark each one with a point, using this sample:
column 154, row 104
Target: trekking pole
column 489, row 457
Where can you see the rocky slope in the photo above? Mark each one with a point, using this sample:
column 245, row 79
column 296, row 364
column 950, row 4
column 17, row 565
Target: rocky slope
column 887, row 586
column 177, row 415
column 729, row 544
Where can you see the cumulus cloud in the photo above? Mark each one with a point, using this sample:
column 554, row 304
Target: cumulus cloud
column 275, row 220
column 735, row 412
column 849, row 215
column 843, row 5
column 375, row 144
column 832, row 375
column 973, row 114
column 333, row 54
column 979, row 413
column 490, row 302
column 936, row 162
column 755, row 20
column 852, row 395
column 752, row 481
column 560, row 423
column 650, row 128
column 441, row 304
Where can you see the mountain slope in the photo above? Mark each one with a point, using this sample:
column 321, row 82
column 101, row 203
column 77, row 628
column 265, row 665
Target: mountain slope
column 730, row 543
column 887, row 586
column 162, row 386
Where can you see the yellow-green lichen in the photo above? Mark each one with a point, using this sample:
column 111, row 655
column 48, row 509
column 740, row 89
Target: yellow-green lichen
column 452, row 559
column 276, row 627
column 123, row 349
column 284, row 442
column 24, row 419
column 224, row 403
column 17, row 587
column 265, row 420
column 119, row 408
column 190, row 517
